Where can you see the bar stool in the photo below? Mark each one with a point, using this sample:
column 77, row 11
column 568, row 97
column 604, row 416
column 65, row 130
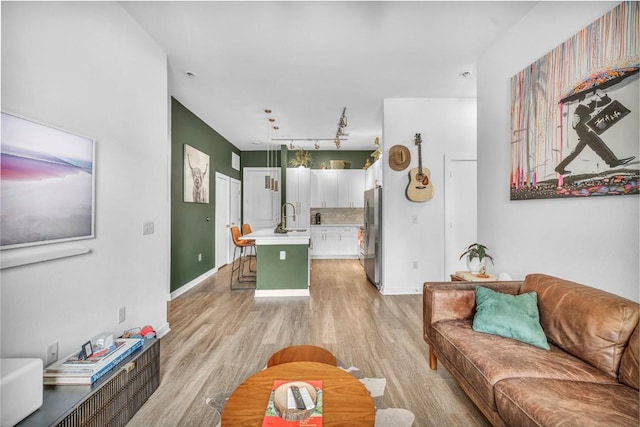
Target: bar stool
column 242, row 245
column 246, row 229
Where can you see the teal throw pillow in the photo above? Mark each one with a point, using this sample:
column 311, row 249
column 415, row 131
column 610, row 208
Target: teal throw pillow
column 510, row 316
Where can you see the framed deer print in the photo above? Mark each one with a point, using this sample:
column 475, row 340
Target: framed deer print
column 196, row 176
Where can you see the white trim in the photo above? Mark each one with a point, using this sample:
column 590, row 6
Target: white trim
column 282, row 293
column 31, row 255
column 192, row 284
column 163, row 330
column 401, row 291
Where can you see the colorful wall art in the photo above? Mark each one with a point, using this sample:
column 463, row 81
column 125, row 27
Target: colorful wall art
column 574, row 114
column 47, row 184
column 196, row 178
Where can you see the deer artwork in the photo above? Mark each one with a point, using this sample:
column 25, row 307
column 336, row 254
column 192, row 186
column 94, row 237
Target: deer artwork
column 199, row 191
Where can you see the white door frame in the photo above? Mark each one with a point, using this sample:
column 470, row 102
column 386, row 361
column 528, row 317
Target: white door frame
column 455, row 204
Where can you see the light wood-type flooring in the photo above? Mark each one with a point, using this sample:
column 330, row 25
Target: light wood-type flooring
column 221, row 337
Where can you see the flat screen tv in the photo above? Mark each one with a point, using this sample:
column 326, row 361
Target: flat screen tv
column 47, row 184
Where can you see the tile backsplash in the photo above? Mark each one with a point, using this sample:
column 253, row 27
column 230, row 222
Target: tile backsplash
column 338, row 215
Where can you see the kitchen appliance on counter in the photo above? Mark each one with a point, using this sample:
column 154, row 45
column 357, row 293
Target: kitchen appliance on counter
column 373, row 235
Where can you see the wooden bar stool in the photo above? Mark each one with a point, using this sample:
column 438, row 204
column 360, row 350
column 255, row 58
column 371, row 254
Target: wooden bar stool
column 242, row 245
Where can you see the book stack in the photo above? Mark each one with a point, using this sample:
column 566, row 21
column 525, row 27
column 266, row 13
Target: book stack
column 74, row 370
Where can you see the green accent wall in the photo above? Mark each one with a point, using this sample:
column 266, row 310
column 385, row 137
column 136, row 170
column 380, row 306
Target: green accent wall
column 191, row 233
column 290, row 273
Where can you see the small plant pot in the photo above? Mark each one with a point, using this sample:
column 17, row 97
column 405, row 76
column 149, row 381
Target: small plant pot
column 474, row 264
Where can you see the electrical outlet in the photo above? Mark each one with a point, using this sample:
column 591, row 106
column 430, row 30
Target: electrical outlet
column 283, row 255
column 415, row 265
column 52, row 353
column 199, row 257
column 122, row 314
column 147, row 228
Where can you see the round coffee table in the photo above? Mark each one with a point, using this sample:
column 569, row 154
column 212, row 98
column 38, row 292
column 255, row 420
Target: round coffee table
column 302, row 353
column 345, row 400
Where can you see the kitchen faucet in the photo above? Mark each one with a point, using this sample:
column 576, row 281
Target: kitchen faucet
column 282, row 227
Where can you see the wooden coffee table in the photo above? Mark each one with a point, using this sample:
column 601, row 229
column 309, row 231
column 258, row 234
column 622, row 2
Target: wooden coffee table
column 302, row 353
column 345, row 400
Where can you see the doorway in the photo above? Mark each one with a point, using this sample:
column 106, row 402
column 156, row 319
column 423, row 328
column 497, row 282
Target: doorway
column 460, row 208
column 228, row 196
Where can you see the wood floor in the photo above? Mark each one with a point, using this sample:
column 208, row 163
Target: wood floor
column 220, row 337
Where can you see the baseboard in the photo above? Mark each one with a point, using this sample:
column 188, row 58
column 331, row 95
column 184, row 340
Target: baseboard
column 192, row 284
column 334, row 256
column 282, row 293
column 401, row 291
column 163, row 330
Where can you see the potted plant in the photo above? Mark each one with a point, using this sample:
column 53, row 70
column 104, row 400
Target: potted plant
column 303, row 159
column 476, row 253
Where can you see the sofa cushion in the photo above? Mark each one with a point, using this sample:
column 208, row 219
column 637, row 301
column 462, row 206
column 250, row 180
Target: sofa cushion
column 510, row 316
column 630, row 363
column 483, row 359
column 545, row 402
column 589, row 323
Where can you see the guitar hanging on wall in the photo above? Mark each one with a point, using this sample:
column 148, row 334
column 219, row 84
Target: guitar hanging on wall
column 420, row 188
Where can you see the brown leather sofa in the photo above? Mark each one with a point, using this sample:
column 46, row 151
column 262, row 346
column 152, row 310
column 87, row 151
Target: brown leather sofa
column 590, row 377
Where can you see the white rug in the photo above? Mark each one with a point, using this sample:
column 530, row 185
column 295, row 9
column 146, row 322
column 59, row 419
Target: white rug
column 385, row 417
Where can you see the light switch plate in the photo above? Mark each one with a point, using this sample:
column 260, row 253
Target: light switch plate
column 283, row 255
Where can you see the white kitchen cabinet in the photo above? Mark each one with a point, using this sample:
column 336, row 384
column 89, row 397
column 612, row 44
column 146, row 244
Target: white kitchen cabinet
column 351, row 188
column 324, row 188
column 298, row 193
column 337, row 188
column 334, row 242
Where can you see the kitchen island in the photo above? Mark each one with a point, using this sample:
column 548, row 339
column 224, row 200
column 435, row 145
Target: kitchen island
column 282, row 262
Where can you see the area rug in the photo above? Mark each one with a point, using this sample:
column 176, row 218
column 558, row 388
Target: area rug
column 385, row 417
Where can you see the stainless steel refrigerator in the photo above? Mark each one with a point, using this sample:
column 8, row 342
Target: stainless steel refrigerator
column 373, row 235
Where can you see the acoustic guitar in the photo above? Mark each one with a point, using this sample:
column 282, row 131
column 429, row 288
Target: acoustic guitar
column 420, row 188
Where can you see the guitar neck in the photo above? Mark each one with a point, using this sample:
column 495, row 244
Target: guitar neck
column 419, row 158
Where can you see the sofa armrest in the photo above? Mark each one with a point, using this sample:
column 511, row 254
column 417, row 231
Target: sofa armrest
column 454, row 301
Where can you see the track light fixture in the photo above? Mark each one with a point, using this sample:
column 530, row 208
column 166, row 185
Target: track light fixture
column 340, row 134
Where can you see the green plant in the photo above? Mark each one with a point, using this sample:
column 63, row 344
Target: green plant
column 303, row 158
column 476, row 250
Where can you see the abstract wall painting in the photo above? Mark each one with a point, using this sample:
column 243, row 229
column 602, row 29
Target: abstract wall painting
column 196, row 179
column 47, row 185
column 575, row 114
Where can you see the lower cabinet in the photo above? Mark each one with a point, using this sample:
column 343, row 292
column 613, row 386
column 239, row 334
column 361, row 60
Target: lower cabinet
column 334, row 242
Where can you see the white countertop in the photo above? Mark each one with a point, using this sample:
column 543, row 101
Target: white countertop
column 266, row 236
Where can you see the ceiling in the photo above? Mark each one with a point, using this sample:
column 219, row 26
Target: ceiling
column 306, row 61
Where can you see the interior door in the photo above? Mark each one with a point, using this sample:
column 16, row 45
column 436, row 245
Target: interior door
column 222, row 220
column 228, row 197
column 461, row 209
column 235, row 198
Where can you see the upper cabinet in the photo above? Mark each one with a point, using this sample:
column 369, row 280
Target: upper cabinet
column 339, row 188
column 351, row 188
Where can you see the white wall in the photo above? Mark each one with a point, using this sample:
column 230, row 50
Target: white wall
column 447, row 125
column 88, row 68
column 592, row 241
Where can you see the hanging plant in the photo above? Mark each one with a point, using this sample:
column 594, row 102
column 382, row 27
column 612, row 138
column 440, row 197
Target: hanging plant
column 303, row 158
